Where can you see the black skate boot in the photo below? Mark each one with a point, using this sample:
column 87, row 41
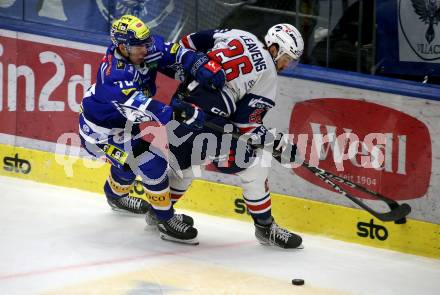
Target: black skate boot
column 175, row 230
column 129, row 204
column 274, row 235
column 152, row 220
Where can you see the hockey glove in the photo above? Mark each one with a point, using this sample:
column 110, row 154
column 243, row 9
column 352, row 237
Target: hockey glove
column 261, row 135
column 283, row 144
column 208, row 72
column 188, row 114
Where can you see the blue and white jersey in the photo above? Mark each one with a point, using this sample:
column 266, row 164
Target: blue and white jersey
column 136, row 109
column 123, row 91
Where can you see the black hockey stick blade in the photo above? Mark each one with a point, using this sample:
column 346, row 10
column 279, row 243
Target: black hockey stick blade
column 397, row 214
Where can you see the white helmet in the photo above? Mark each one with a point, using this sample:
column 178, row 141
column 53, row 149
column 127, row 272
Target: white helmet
column 288, row 39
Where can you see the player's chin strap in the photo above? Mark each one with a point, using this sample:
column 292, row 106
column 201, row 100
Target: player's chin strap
column 397, row 213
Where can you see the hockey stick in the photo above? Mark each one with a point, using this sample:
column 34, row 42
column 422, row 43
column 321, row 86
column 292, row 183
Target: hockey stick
column 397, row 212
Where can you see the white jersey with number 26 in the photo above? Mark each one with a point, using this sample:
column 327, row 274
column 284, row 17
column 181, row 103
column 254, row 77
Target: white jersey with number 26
column 249, row 67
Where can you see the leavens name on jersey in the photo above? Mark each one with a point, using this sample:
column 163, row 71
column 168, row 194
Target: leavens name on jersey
column 255, row 51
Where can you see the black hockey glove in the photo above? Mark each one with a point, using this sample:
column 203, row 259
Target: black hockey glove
column 188, row 114
column 208, row 72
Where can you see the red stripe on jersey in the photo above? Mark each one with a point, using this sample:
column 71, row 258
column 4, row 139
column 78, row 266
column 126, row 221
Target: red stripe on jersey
column 244, row 130
column 185, row 41
column 259, row 207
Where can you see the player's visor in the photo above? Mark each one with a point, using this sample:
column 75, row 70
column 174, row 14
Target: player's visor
column 288, row 60
column 148, row 43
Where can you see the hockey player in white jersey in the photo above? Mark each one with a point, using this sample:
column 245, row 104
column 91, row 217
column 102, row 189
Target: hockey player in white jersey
column 249, row 93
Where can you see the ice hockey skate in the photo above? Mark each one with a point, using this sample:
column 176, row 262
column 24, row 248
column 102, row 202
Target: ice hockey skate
column 178, row 231
column 152, row 220
column 129, row 204
column 274, row 235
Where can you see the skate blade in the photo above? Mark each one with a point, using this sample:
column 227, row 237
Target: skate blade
column 166, row 237
column 123, row 211
column 267, row 244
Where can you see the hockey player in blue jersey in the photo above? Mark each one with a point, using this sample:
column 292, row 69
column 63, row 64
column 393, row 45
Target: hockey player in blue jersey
column 121, row 99
column 249, row 93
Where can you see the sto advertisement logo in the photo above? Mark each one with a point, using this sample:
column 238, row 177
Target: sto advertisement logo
column 17, row 165
column 382, row 149
column 371, row 230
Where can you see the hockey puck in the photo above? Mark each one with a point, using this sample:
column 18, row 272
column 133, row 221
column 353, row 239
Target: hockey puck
column 298, row 282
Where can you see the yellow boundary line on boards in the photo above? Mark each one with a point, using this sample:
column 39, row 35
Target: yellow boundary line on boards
column 302, row 215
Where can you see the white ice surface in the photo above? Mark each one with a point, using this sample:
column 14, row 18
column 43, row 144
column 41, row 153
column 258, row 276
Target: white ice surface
column 55, row 240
